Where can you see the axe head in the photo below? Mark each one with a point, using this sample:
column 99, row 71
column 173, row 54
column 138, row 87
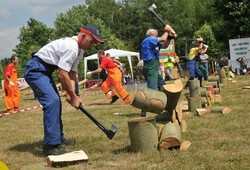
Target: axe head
column 111, row 133
column 152, row 7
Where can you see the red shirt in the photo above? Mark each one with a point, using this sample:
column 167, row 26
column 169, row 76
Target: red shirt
column 9, row 70
column 107, row 63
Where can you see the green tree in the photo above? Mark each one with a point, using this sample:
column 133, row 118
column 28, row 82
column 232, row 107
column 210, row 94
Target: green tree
column 32, row 37
column 207, row 34
column 69, row 23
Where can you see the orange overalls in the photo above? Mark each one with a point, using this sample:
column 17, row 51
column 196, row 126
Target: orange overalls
column 114, row 79
column 11, row 94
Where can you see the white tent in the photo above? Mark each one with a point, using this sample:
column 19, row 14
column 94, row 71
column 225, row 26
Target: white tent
column 113, row 53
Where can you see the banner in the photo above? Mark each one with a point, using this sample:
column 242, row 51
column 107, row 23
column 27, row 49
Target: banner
column 21, row 83
column 238, row 48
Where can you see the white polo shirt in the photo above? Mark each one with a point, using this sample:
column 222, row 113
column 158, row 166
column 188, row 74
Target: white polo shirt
column 63, row 53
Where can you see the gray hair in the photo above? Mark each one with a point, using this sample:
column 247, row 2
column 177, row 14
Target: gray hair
column 151, row 32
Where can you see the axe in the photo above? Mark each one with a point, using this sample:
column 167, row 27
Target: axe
column 151, row 9
column 109, row 132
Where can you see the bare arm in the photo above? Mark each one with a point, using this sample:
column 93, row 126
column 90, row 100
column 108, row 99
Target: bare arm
column 97, row 71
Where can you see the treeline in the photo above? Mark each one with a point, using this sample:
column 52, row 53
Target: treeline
column 123, row 25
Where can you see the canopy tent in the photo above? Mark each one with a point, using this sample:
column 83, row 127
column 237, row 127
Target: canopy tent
column 113, row 53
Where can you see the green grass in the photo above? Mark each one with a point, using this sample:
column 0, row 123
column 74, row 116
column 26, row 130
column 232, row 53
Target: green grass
column 218, row 142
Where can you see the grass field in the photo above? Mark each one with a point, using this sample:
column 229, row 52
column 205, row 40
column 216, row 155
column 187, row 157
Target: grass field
column 218, row 142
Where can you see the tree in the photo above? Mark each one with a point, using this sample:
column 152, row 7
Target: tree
column 32, row 37
column 69, row 23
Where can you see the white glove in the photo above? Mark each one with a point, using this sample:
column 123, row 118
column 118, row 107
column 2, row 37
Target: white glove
column 206, row 46
column 11, row 84
column 89, row 73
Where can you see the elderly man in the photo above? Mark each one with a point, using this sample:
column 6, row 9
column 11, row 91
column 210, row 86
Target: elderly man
column 150, row 55
column 63, row 54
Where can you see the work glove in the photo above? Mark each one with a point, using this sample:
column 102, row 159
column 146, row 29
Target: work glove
column 89, row 73
column 11, row 84
column 206, row 46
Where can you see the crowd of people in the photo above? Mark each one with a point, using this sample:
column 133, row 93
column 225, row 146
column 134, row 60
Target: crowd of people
column 64, row 55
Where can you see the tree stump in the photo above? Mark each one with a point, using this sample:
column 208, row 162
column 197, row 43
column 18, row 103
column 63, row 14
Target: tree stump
column 193, row 104
column 143, row 134
column 194, row 88
column 173, row 92
column 150, row 101
column 226, row 68
column 204, row 92
column 170, row 136
column 222, row 110
column 185, row 145
column 222, row 76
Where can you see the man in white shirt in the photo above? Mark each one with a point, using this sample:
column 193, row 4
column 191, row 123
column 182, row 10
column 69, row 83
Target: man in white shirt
column 63, row 54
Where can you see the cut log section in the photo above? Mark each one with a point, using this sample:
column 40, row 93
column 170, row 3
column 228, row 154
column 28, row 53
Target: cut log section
column 66, row 159
column 217, row 98
column 193, row 104
column 203, row 111
column 143, row 134
column 222, row 110
column 173, row 92
column 214, row 78
column 170, row 136
column 226, row 68
column 246, row 87
column 178, row 111
column 150, row 101
column 185, row 145
column 231, row 74
column 166, row 116
column 194, row 88
column 183, row 126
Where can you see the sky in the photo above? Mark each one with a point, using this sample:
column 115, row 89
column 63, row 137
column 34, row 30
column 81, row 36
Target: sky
column 15, row 13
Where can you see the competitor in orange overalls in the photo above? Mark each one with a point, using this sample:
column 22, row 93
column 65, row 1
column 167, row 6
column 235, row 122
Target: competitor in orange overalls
column 11, row 90
column 114, row 79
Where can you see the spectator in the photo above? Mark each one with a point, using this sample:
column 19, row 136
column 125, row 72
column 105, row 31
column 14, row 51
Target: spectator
column 224, row 61
column 243, row 65
column 204, row 65
column 11, row 90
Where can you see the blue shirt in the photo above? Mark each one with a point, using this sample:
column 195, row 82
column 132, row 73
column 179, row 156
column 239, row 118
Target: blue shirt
column 150, row 48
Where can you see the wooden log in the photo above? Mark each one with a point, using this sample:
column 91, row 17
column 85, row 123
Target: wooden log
column 216, row 90
column 209, row 101
column 166, row 116
column 183, row 126
column 193, row 104
column 173, row 92
column 204, row 102
column 222, row 110
column 223, row 81
column 194, row 88
column 246, row 87
column 82, row 82
column 185, row 145
column 66, row 159
column 150, row 101
column 178, row 111
column 204, row 92
column 143, row 134
column 212, row 83
column 213, row 78
column 170, row 136
column 231, row 74
column 222, row 74
column 203, row 111
column 226, row 68
column 211, row 96
column 217, row 98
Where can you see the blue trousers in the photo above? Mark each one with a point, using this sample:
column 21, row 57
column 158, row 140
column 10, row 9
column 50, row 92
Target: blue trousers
column 39, row 76
column 193, row 70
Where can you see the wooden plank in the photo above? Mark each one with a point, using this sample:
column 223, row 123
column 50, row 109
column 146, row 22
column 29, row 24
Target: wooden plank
column 66, row 159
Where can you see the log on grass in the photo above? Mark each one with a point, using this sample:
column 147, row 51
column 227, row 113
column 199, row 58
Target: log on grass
column 203, row 111
column 212, row 83
column 185, row 145
column 179, row 113
column 183, row 126
column 216, row 90
column 231, row 74
column 194, row 88
column 204, row 102
column 173, row 92
column 213, row 78
column 166, row 116
column 193, row 104
column 170, row 136
column 222, row 75
column 246, row 87
column 204, row 92
column 150, row 101
column 143, row 134
column 217, row 98
column 222, row 110
column 66, row 159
